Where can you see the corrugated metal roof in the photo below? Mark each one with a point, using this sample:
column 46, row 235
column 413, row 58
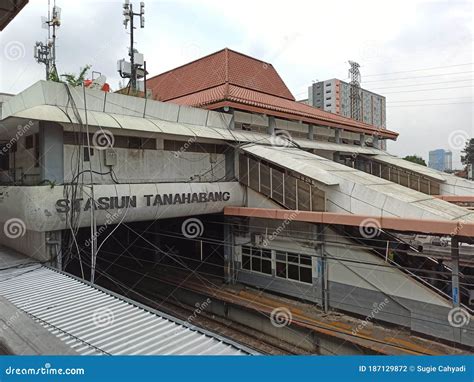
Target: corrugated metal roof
column 93, row 320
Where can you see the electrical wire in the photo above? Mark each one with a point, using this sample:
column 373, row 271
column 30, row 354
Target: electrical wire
column 415, row 77
column 419, row 70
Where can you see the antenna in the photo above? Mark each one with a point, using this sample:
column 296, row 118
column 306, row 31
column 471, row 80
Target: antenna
column 354, row 74
column 133, row 69
column 45, row 53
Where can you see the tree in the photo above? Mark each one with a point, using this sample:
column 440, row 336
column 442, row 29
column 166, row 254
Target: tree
column 468, row 157
column 415, row 159
column 70, row 78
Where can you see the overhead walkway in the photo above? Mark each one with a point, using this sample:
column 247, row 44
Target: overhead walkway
column 413, row 175
column 290, row 177
column 351, row 190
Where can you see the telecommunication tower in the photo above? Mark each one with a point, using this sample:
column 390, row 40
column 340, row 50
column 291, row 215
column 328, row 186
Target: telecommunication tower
column 45, row 53
column 135, row 68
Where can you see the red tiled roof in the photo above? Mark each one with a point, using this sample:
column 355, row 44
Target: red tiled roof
column 245, row 99
column 225, row 66
column 228, row 78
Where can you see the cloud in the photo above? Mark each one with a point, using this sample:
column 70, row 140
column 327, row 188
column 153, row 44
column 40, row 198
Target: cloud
column 304, row 40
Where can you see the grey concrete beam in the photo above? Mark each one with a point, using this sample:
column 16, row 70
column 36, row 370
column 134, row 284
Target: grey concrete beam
column 21, row 335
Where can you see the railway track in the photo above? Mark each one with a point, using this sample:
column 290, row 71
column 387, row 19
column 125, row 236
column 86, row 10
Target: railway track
column 147, row 291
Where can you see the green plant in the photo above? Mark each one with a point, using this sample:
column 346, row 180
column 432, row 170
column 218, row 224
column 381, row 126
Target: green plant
column 415, row 159
column 70, row 78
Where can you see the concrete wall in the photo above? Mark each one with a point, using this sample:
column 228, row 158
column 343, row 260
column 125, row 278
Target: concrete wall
column 30, row 243
column 354, row 286
column 37, row 207
column 22, row 162
column 144, row 166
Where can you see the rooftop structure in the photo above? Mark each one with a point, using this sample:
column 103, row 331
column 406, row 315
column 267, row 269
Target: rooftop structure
column 228, row 79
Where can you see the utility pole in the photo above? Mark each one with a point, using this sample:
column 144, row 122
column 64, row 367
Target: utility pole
column 354, row 75
column 136, row 59
column 46, row 53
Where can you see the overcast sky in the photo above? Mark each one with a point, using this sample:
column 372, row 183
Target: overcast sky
column 304, row 40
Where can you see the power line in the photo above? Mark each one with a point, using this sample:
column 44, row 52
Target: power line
column 419, row 70
column 425, row 83
column 427, row 90
column 428, row 99
column 411, row 78
column 433, row 104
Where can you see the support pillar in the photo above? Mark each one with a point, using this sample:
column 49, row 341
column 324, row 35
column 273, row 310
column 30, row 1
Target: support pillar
column 455, row 271
column 376, row 142
column 51, row 153
column 232, row 120
column 337, row 135
column 362, row 139
column 271, row 125
column 229, row 268
column 311, row 132
column 323, row 268
column 229, row 165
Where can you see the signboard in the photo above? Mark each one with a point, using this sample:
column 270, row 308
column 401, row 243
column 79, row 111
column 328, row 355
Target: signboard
column 150, row 200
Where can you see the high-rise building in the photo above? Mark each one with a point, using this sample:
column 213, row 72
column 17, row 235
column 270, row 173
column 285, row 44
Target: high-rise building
column 335, row 96
column 441, row 160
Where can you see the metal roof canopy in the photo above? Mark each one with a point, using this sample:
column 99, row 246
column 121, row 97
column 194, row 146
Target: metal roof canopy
column 8, row 11
column 377, row 193
column 93, row 320
column 285, row 159
column 435, row 227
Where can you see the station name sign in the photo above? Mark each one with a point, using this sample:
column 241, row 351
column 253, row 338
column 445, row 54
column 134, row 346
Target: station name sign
column 152, row 200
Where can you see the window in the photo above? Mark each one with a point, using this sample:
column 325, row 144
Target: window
column 293, row 266
column 29, row 142
column 37, row 150
column 328, row 84
column 328, row 98
column 134, row 143
column 328, row 91
column 4, row 158
column 257, row 260
column 328, row 105
column 87, row 154
column 120, row 141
